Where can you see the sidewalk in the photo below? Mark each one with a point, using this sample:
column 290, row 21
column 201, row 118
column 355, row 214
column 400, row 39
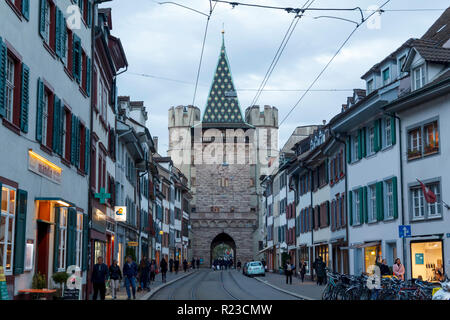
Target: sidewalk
column 307, row 290
column 154, row 286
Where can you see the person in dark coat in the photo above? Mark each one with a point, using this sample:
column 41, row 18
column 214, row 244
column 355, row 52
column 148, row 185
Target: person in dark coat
column 144, row 272
column 152, row 271
column 100, row 274
column 238, row 265
column 320, row 266
column 115, row 276
column 170, row 265
column 302, row 268
column 163, row 267
column 130, row 272
column 288, row 271
column 185, row 265
column 176, row 265
column 193, row 263
column 198, row 263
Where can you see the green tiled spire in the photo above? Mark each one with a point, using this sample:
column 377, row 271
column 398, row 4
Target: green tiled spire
column 223, row 104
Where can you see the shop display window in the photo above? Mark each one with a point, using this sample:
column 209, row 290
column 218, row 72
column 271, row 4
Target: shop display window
column 370, row 256
column 427, row 261
column 7, row 226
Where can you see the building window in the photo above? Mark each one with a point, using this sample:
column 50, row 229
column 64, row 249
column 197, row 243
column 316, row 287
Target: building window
column 47, row 22
column 7, row 227
column 356, row 207
column 45, row 116
column 422, row 209
column 371, row 140
column 355, row 149
column 419, row 77
column 9, row 96
column 79, row 237
column 372, row 203
column 389, row 198
column 62, row 239
column 370, row 86
column 386, row 76
column 431, row 138
column 415, row 143
column 387, row 132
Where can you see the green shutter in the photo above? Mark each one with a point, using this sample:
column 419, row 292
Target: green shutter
column 349, row 149
column 377, row 137
column 71, row 236
column 350, row 207
column 3, row 57
column 73, row 140
column 364, row 142
column 87, row 152
column 89, row 13
column 56, row 238
column 42, row 18
column 78, row 142
column 58, row 18
column 56, row 128
column 328, row 213
column 393, row 131
column 327, row 174
column 379, row 201
column 63, row 37
column 26, row 9
column 20, row 232
column 365, row 206
column 360, row 155
column 395, row 196
column 25, row 93
column 39, row 110
column 76, row 57
column 88, row 76
column 85, row 242
column 361, row 205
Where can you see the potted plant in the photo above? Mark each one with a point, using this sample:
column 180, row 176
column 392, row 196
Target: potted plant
column 39, row 281
column 60, row 278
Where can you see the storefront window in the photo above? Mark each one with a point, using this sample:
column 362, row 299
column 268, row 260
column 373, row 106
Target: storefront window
column 322, row 251
column 62, row 239
column 427, row 261
column 370, row 256
column 8, row 209
column 99, row 250
column 79, row 236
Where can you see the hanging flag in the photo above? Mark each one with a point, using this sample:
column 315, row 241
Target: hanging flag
column 429, row 195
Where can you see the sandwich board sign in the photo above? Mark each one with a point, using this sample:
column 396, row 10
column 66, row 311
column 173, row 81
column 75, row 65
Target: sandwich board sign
column 3, row 287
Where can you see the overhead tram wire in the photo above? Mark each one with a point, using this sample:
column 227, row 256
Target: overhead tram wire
column 330, row 61
column 279, row 52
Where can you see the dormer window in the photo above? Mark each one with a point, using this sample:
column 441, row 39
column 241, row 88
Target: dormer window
column 370, row 86
column 386, row 76
column 401, row 63
column 419, row 77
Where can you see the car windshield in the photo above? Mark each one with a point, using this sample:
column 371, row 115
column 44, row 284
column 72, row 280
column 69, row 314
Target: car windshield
column 255, row 264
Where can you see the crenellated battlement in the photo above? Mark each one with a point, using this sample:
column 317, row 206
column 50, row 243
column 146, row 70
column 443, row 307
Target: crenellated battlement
column 266, row 118
column 183, row 116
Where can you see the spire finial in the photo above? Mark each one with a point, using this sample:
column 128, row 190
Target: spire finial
column 223, row 34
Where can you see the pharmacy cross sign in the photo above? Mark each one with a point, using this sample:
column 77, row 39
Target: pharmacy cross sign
column 102, row 195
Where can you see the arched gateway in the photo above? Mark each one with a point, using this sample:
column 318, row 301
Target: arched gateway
column 223, row 247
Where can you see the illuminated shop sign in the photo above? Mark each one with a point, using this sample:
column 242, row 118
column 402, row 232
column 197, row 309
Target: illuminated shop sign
column 43, row 167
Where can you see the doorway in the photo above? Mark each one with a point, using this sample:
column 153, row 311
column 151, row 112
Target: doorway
column 223, row 247
column 43, row 250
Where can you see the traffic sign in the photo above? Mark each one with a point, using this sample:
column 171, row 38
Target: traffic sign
column 404, row 231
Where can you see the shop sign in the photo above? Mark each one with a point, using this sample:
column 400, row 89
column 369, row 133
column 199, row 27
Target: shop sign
column 120, row 213
column 43, row 167
column 98, row 220
column 3, row 287
column 448, row 235
column 132, row 244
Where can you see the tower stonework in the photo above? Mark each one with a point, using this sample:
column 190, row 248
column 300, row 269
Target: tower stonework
column 219, row 155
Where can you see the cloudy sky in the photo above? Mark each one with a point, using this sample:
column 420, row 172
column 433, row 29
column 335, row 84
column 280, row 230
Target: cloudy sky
column 165, row 41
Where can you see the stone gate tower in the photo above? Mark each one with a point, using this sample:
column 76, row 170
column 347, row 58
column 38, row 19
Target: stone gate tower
column 223, row 156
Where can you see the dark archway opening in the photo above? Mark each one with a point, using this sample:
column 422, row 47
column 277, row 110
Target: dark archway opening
column 223, row 247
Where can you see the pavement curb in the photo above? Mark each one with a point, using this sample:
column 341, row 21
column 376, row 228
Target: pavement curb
column 283, row 290
column 148, row 295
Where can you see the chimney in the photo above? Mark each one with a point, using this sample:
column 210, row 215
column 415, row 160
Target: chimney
column 155, row 142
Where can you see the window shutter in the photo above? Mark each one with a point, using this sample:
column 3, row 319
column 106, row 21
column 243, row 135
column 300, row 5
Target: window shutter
column 377, row 137
column 73, row 141
column 364, row 142
column 88, row 76
column 20, row 232
column 87, row 152
column 327, row 212
column 56, row 127
column 56, row 243
column 58, row 17
column 395, row 196
column 63, row 35
column 39, row 108
column 343, row 216
column 393, row 131
column 26, row 9
column 360, row 138
column 84, row 266
column 365, row 207
column 71, row 236
column 350, row 207
column 89, row 13
column 327, row 176
column 25, row 93
column 42, row 18
column 78, row 142
column 379, row 201
column 76, row 47
column 3, row 57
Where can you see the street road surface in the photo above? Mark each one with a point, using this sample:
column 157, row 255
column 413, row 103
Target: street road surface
column 207, row 284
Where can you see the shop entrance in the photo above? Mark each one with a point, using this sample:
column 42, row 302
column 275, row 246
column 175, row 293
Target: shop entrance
column 223, row 247
column 43, row 242
column 427, row 260
column 370, row 256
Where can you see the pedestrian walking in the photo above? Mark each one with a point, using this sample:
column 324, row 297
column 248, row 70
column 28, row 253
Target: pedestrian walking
column 288, row 270
column 144, row 273
column 130, row 272
column 193, row 263
column 163, row 267
column 399, row 269
column 198, row 263
column 100, row 274
column 176, row 265
column 152, row 271
column 319, row 267
column 302, row 268
column 170, row 265
column 384, row 268
column 185, row 265
column 115, row 276
column 238, row 265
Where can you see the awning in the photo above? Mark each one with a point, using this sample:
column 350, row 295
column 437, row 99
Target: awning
column 265, row 249
column 361, row 245
column 60, row 201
